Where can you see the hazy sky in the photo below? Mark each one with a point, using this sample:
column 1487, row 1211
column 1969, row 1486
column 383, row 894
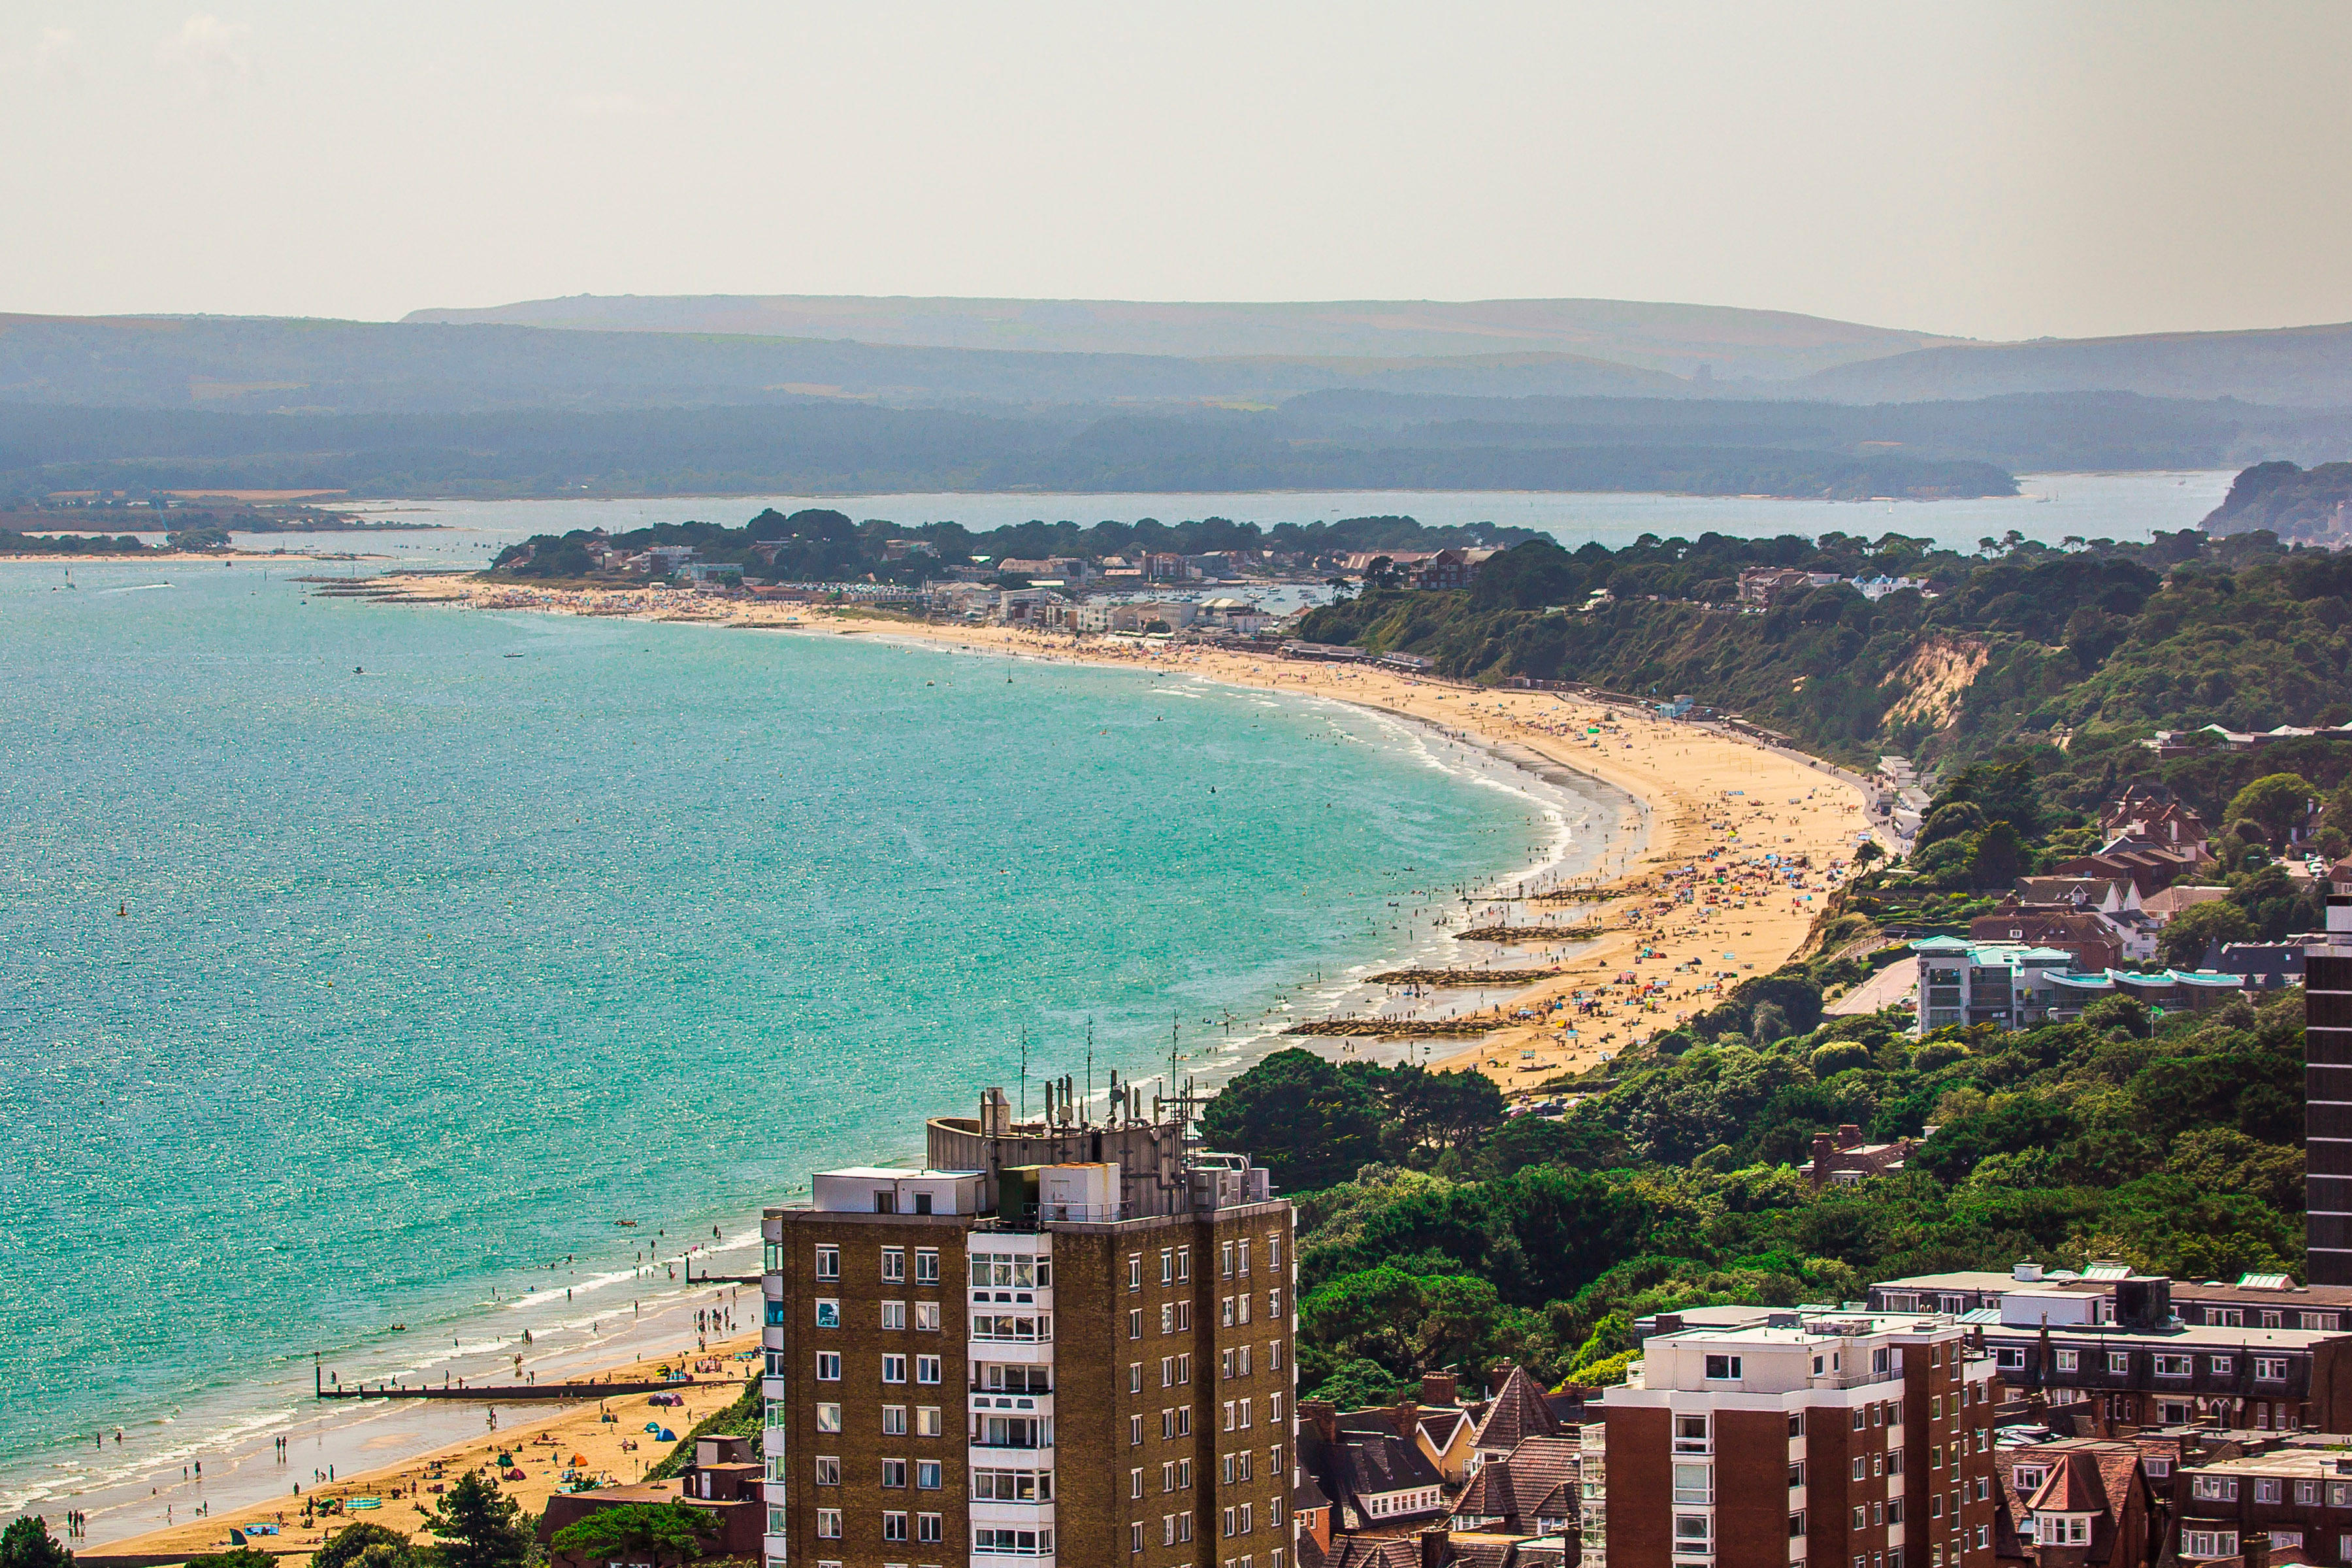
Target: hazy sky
column 1986, row 169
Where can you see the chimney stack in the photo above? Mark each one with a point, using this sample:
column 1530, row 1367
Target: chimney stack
column 1323, row 1415
column 1439, row 1390
column 1408, row 1417
column 1436, row 1548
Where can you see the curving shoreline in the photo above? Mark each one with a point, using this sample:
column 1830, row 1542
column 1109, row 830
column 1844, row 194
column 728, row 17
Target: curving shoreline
column 1664, row 785
column 1693, row 791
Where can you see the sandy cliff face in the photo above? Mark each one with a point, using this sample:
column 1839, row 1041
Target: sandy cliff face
column 1934, row 679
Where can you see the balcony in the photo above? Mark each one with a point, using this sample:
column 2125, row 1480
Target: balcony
column 1007, row 1401
column 1031, row 1222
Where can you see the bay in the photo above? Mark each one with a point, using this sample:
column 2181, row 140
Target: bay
column 358, row 961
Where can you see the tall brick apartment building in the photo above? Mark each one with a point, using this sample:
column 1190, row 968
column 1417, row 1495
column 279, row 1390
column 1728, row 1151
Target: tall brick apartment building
column 1055, row 1341
column 2327, row 1098
column 1847, row 1439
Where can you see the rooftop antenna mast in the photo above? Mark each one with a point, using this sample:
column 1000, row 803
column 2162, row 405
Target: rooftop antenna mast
column 1024, row 1072
column 1090, row 1073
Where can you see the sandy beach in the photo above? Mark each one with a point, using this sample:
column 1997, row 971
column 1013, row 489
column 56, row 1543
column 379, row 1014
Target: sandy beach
column 1652, row 953
column 605, row 1441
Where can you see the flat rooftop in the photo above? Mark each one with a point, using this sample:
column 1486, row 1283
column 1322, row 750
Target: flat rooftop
column 1791, row 1326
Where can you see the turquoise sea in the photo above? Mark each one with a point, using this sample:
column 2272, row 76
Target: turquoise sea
column 357, row 960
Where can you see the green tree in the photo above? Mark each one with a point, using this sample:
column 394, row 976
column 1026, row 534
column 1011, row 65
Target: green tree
column 1299, row 1116
column 2338, row 812
column 1525, row 1141
column 234, row 1557
column 1612, row 1334
column 1359, row 1384
column 1443, row 1109
column 348, row 1545
column 1950, row 821
column 2001, row 856
column 1841, row 1055
column 640, row 1532
column 2187, row 934
column 27, row 1543
column 2277, row 801
column 480, row 1527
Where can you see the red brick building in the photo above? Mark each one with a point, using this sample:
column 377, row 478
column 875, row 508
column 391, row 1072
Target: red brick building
column 1838, row 1439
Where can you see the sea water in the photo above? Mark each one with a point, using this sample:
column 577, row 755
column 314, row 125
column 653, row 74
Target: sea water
column 359, row 962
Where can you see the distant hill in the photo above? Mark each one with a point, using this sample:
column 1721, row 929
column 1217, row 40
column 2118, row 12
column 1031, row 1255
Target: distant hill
column 2026, row 433
column 815, row 446
column 1735, row 344
column 266, row 365
column 2296, row 366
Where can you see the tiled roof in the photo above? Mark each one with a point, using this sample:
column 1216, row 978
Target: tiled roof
column 1518, row 1413
column 2073, row 1486
column 1375, row 1462
column 1535, row 1480
column 1372, row 1552
column 1359, row 1464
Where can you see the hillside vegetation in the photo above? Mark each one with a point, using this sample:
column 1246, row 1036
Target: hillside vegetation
column 2069, row 654
column 1433, row 1233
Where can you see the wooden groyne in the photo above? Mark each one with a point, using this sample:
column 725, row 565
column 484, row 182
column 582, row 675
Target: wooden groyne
column 574, row 1391
column 1467, row 976
column 1401, row 1029
column 1509, row 933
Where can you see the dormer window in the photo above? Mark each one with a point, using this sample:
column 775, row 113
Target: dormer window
column 2061, row 1528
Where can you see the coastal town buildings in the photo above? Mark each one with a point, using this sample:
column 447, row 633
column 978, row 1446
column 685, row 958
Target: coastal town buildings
column 2253, row 1300
column 2264, row 1354
column 2290, row 1494
column 938, row 1337
column 1752, row 1437
column 2015, row 986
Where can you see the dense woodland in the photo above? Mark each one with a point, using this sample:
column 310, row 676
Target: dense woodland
column 1435, row 1233
column 2077, row 650
column 824, row 547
